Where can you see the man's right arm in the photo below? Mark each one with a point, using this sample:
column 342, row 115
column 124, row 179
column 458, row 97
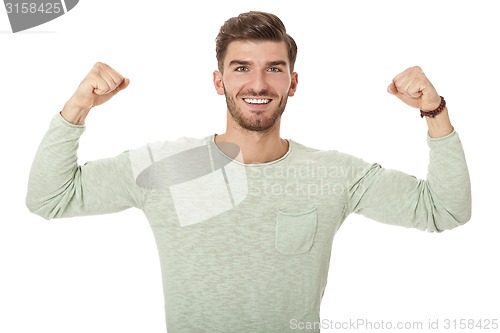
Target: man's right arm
column 58, row 186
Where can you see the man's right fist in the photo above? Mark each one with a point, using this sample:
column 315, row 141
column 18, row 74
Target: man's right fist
column 102, row 83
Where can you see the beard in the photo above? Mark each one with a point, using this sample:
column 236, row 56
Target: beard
column 257, row 121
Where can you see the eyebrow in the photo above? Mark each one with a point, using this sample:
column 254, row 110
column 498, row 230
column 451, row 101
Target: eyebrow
column 249, row 63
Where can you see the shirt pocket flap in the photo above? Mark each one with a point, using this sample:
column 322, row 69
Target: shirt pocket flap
column 295, row 230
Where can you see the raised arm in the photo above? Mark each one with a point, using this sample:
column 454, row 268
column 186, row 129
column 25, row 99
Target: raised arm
column 441, row 201
column 58, row 186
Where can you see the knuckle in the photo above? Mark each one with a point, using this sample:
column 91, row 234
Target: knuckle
column 98, row 65
column 414, row 69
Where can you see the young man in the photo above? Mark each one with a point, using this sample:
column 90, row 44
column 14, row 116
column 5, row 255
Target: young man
column 244, row 220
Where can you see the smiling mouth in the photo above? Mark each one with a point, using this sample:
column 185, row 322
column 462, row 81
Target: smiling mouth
column 257, row 101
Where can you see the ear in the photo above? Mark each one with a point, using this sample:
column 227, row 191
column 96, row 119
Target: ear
column 293, row 84
column 218, row 83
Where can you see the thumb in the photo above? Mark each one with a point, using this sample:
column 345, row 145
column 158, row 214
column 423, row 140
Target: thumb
column 408, row 100
column 122, row 85
column 107, row 91
column 391, row 89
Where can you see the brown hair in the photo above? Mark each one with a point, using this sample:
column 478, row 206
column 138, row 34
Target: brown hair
column 253, row 26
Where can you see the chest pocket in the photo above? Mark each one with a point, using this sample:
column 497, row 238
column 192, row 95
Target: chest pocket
column 295, row 230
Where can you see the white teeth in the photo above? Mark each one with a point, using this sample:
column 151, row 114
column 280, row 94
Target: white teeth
column 256, row 101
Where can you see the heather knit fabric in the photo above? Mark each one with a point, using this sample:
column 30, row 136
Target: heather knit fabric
column 245, row 247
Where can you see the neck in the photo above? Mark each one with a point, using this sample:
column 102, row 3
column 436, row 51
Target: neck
column 256, row 147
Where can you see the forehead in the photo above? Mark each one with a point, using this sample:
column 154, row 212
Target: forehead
column 256, row 51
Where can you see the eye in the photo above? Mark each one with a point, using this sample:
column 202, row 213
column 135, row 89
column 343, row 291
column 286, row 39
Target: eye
column 241, row 69
column 274, row 69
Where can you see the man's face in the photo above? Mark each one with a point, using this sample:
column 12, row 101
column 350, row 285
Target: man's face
column 256, row 82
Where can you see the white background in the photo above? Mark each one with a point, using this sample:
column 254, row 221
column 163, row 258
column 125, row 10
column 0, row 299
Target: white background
column 101, row 274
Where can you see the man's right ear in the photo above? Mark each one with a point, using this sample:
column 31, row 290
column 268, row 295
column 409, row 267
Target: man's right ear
column 218, row 82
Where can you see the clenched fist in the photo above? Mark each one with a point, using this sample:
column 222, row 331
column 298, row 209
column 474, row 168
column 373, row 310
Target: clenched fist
column 102, row 83
column 414, row 88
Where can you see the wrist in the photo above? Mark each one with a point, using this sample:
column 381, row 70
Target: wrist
column 74, row 113
column 432, row 105
column 433, row 112
column 439, row 125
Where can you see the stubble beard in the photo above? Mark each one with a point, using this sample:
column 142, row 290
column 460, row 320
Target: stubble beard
column 257, row 121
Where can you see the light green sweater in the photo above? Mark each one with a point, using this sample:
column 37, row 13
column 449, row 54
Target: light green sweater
column 245, row 247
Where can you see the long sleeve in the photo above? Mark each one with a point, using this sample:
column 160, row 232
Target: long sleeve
column 59, row 187
column 441, row 202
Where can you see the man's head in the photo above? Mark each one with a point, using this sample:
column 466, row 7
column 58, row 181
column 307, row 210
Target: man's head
column 255, row 26
column 255, row 58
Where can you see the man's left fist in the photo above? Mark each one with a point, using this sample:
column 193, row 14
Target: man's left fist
column 414, row 88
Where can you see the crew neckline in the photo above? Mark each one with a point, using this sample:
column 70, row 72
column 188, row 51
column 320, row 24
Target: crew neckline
column 290, row 147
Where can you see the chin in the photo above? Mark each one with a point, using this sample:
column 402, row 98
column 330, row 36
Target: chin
column 258, row 125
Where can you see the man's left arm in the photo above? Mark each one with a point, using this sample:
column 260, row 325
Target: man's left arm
column 441, row 201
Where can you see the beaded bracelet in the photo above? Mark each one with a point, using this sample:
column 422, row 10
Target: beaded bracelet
column 433, row 113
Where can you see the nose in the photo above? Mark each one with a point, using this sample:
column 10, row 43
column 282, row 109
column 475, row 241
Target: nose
column 259, row 81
